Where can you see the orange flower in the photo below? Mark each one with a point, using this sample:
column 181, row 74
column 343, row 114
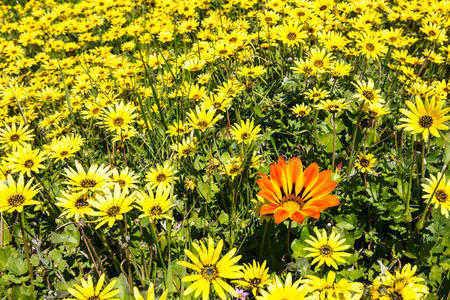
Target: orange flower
column 294, row 193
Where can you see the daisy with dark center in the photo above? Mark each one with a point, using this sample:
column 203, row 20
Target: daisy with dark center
column 64, row 147
column 155, row 206
column 203, row 119
column 94, row 180
column 218, row 101
column 75, row 204
column 246, row 132
column 163, row 175
column 375, row 110
column 15, row 136
column 178, row 128
column 326, row 249
column 252, row 71
column 332, row 106
column 317, row 94
column 210, row 270
column 186, row 148
column 400, row 285
column 125, row 178
column 425, row 118
column 304, row 67
column 118, row 117
column 366, row 92
column 254, row 276
column 301, row 110
column 371, row 47
column 279, row 290
column 328, row 288
column 88, row 291
column 110, row 207
column 320, row 59
column 26, row 160
column 441, row 189
column 291, row 34
column 293, row 192
column 15, row 195
column 365, row 162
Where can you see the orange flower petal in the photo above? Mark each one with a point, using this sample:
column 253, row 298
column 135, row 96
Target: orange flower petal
column 267, row 209
column 280, row 215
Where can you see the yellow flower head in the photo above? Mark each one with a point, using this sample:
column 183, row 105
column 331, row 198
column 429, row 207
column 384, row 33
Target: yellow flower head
column 425, row 118
column 211, row 270
column 15, row 195
column 327, row 249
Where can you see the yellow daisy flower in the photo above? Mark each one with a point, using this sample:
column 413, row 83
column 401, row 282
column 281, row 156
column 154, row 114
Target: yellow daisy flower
column 15, row 195
column 326, row 249
column 425, row 118
column 211, row 270
column 87, row 290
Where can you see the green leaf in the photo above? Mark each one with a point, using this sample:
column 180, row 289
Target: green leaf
column 17, row 266
column 70, row 237
column 122, row 285
column 6, row 234
column 346, row 222
column 23, row 293
column 326, row 140
column 223, row 218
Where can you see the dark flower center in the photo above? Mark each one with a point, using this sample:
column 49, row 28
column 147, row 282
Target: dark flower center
column 120, row 182
column 255, row 281
column 161, row 177
column 245, row 136
column 81, row 202
column 291, row 36
column 16, row 200
column 63, row 153
column 370, row 46
column 113, row 211
column 118, row 121
column 318, row 63
column 209, row 272
column 326, row 250
column 188, row 151
column 29, row 163
column 441, row 196
column 369, row 95
column 425, row 121
column 333, row 107
column 14, row 137
column 88, row 183
column 156, row 211
column 364, row 162
column 202, row 124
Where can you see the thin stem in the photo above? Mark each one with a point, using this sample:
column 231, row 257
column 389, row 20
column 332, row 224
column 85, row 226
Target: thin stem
column 25, row 243
column 407, row 214
column 421, row 222
column 333, row 157
column 288, row 238
column 127, row 258
column 263, row 240
column 355, row 130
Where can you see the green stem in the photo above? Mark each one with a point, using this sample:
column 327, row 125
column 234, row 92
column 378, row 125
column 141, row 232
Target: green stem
column 263, row 240
column 25, row 243
column 407, row 215
column 421, row 222
column 333, row 157
column 288, row 241
column 355, row 130
column 127, row 258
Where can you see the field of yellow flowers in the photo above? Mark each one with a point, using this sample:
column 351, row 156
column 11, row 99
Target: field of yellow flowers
column 224, row 149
